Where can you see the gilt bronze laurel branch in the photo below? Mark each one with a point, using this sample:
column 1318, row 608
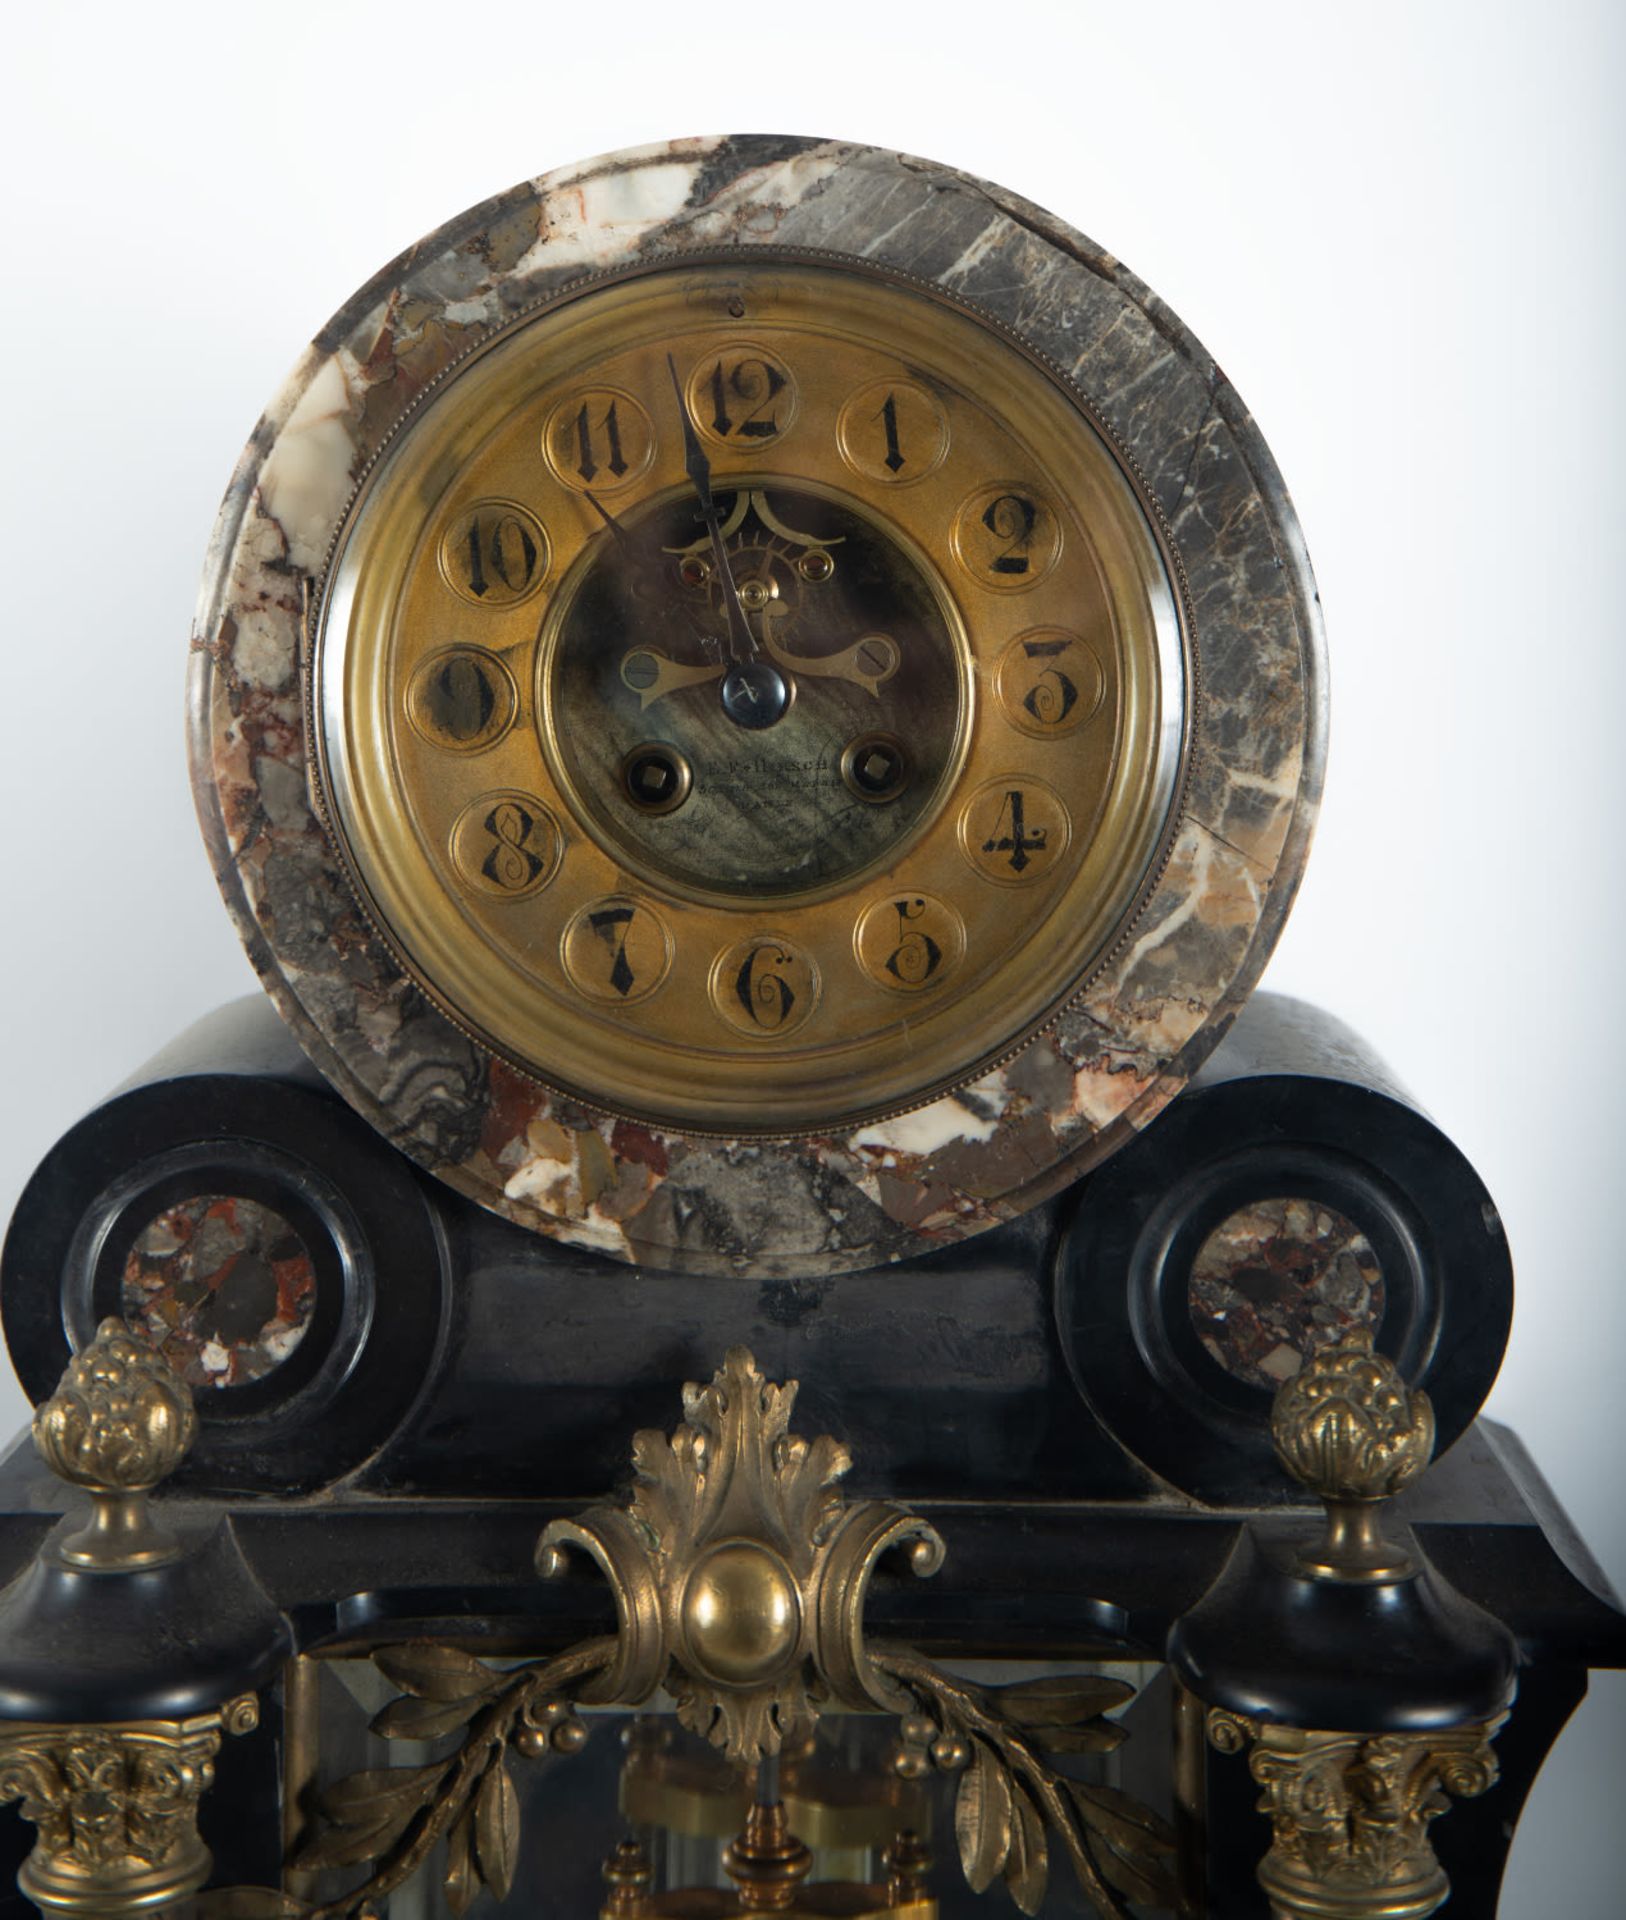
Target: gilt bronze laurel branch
column 391, row 1817
column 1009, row 1808
column 1009, row 1798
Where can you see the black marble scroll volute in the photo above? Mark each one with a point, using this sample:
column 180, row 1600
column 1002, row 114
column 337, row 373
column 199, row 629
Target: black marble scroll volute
column 1055, row 1357
column 232, row 1108
column 1293, row 1106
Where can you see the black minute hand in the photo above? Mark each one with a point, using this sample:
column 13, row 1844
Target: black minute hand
column 698, row 467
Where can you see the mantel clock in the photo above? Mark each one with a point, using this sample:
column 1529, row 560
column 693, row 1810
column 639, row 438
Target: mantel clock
column 757, row 704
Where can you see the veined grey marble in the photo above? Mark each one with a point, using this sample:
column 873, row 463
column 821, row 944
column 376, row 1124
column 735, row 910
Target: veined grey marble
column 1149, row 1015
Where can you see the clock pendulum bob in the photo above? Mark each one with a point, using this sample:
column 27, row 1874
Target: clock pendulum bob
column 841, row 1801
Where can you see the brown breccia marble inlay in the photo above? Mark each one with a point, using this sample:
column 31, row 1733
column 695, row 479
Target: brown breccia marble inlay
column 224, row 1286
column 1278, row 1279
column 1110, row 1061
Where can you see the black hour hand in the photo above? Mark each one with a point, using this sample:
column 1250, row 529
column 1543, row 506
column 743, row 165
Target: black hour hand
column 698, row 467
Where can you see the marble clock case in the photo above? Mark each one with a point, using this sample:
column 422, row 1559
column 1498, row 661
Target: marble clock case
column 1234, row 845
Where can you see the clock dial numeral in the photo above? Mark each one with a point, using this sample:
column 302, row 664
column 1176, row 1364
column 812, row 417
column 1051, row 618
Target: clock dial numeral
column 764, row 986
column 892, row 431
column 505, row 845
column 494, row 553
column 742, row 396
column 1014, row 831
column 598, row 438
column 909, row 942
column 616, row 950
column 462, row 699
column 1007, row 537
column 1049, row 682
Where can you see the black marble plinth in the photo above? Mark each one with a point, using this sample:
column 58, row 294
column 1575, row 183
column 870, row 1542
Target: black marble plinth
column 150, row 1643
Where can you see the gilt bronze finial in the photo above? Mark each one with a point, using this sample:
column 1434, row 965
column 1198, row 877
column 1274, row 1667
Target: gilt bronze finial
column 1350, row 1429
column 120, row 1421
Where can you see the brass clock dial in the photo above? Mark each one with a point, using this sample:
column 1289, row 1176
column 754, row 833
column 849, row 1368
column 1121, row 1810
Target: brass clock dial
column 714, row 666
column 757, row 704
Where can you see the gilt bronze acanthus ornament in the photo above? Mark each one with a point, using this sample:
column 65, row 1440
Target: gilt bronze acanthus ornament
column 740, row 1573
column 1349, row 1813
column 116, row 1807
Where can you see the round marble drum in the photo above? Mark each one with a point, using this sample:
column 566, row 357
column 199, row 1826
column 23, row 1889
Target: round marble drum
column 758, row 703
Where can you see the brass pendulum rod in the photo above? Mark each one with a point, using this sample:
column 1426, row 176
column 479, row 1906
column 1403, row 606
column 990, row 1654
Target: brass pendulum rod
column 767, row 1863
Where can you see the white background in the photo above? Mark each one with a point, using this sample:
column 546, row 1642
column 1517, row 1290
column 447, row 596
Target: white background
column 1399, row 228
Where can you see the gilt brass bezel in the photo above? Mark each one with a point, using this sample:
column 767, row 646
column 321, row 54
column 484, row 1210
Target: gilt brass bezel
column 665, row 1059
